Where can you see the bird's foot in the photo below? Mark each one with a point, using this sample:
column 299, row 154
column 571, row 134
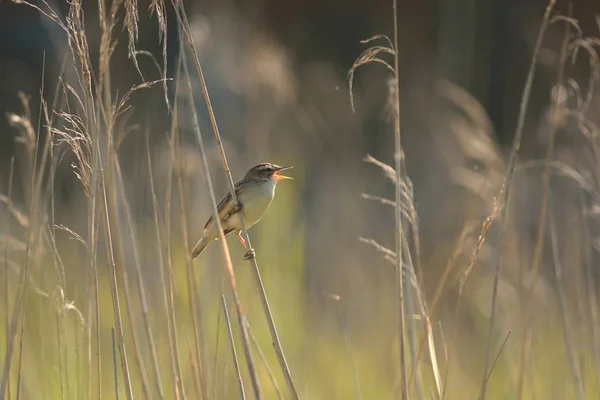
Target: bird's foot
column 250, row 254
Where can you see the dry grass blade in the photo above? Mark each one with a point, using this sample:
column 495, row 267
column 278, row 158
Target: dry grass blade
column 236, row 363
column 498, row 354
column 74, row 235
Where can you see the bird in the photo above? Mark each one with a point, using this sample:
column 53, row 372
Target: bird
column 255, row 192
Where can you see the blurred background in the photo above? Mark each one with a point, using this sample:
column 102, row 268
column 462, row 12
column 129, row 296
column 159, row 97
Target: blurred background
column 277, row 73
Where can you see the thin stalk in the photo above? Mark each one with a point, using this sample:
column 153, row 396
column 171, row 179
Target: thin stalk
column 348, row 346
column 170, row 270
column 6, row 276
column 191, row 282
column 62, row 370
column 141, row 287
column 558, row 271
column 115, row 289
column 216, row 358
column 21, row 349
column 539, row 244
column 114, row 358
column 398, row 156
column 263, row 359
column 97, row 324
column 223, row 242
column 163, row 274
column 498, row 354
column 233, row 352
column 20, row 307
column 263, row 296
column 193, row 367
column 124, row 278
column 506, row 187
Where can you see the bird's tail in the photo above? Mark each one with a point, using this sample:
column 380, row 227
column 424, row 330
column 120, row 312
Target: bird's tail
column 200, row 246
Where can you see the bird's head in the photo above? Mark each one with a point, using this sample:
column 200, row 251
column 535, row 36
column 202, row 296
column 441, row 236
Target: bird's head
column 267, row 171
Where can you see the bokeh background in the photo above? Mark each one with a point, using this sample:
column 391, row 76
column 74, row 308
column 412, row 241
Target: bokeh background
column 277, row 73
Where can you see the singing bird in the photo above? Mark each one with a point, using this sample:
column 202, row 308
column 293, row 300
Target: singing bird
column 254, row 191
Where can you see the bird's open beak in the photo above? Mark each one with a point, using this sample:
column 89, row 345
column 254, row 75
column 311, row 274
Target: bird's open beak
column 280, row 177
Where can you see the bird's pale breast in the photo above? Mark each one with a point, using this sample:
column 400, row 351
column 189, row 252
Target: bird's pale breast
column 255, row 200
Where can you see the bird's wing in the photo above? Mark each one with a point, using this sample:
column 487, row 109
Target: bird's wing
column 226, row 204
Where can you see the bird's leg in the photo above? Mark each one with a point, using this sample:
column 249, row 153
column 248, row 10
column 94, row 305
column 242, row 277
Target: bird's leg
column 250, row 254
column 239, row 235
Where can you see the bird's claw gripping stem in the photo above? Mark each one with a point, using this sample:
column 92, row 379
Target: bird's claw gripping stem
column 250, row 254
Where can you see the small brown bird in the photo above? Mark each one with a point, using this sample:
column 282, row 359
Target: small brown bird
column 254, row 192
